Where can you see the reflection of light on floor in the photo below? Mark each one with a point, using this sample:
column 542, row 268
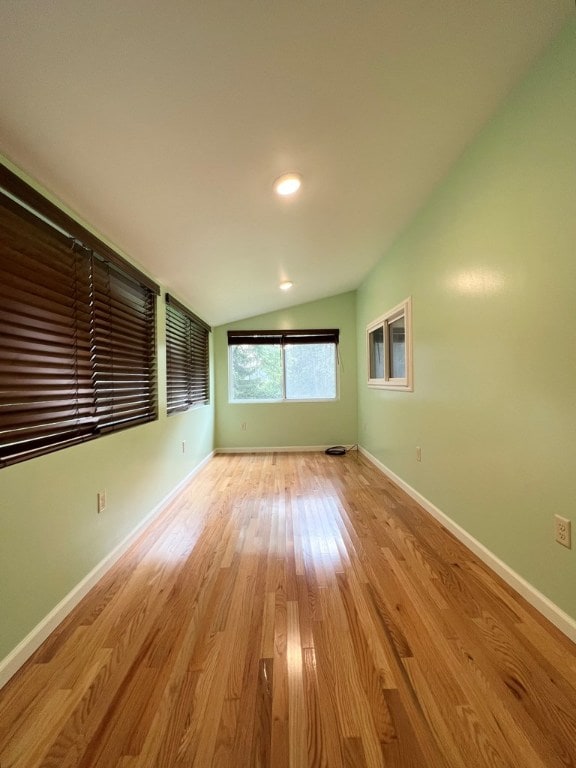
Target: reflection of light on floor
column 172, row 548
column 294, row 651
column 321, row 536
column 312, row 522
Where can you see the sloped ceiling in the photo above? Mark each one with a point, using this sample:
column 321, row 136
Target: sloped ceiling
column 164, row 124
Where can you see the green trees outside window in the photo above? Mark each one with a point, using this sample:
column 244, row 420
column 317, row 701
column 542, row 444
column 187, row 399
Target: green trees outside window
column 283, row 372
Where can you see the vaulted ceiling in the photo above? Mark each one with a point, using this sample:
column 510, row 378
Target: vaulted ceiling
column 164, row 124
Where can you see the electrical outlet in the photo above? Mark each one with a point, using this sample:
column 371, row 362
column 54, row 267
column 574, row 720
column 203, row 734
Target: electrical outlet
column 243, row 426
column 183, row 446
column 563, row 531
column 418, row 453
column 101, row 501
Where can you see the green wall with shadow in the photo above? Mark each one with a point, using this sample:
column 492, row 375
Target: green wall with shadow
column 490, row 264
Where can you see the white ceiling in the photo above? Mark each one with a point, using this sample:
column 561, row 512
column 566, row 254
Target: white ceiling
column 164, row 123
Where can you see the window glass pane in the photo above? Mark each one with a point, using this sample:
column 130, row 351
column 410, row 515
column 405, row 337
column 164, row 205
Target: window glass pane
column 397, row 347
column 310, row 371
column 256, row 372
column 376, row 344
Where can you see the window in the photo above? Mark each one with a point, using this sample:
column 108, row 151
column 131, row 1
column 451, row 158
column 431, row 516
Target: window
column 77, row 331
column 389, row 342
column 187, row 360
column 282, row 365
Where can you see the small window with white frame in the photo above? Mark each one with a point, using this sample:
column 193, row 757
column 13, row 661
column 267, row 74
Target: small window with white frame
column 389, row 349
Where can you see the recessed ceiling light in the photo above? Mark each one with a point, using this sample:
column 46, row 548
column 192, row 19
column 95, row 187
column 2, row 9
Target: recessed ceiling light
column 287, row 184
column 286, row 285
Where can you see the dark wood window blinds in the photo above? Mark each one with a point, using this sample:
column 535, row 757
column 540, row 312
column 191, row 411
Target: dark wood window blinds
column 77, row 331
column 187, row 358
column 308, row 336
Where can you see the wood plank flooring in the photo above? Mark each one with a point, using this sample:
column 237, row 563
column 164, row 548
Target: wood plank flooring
column 295, row 611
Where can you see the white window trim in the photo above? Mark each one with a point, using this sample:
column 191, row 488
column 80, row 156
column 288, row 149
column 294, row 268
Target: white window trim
column 405, row 384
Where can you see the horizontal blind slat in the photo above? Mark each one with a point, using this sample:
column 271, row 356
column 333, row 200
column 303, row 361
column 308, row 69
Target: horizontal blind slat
column 187, row 360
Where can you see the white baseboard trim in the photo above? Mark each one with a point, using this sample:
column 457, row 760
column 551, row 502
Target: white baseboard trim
column 543, row 605
column 277, row 449
column 34, row 639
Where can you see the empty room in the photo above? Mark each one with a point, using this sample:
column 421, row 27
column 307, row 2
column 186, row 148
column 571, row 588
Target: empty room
column 287, row 384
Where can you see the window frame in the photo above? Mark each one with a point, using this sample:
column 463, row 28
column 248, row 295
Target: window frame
column 283, row 339
column 111, row 379
column 384, row 322
column 187, row 358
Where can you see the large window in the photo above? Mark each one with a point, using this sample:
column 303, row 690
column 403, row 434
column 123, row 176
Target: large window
column 77, row 331
column 282, row 365
column 389, row 349
column 187, row 361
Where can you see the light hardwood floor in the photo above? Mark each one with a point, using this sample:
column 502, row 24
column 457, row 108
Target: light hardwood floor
column 295, row 610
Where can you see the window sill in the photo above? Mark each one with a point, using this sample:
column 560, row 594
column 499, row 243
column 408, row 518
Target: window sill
column 387, row 385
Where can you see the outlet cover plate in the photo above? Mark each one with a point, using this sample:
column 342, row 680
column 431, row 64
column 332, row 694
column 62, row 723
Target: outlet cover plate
column 563, row 531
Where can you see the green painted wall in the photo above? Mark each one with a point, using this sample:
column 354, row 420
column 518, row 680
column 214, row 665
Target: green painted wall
column 51, row 536
column 491, row 265
column 270, row 425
